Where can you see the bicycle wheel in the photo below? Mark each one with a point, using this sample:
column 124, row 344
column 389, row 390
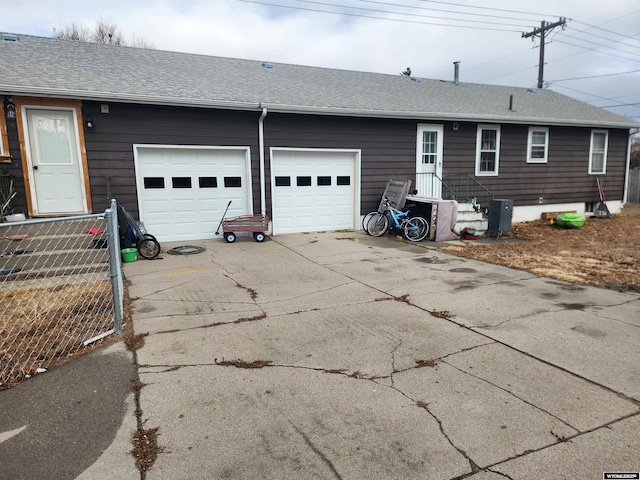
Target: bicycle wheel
column 377, row 225
column 148, row 247
column 366, row 219
column 416, row 229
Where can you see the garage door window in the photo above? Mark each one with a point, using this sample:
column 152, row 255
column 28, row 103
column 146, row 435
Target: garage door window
column 304, row 181
column 324, row 181
column 232, row 182
column 283, row 181
column 153, row 182
column 208, row 182
column 343, row 181
column 181, row 182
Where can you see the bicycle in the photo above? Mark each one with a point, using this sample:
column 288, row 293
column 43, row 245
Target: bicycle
column 377, row 224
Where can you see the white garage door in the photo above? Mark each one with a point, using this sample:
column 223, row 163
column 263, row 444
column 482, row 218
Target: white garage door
column 314, row 190
column 183, row 192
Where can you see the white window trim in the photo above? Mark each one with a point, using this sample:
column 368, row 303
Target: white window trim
column 606, row 150
column 482, row 127
column 530, row 144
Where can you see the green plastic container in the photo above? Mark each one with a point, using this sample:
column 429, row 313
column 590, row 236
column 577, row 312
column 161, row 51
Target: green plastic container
column 129, row 255
column 570, row 220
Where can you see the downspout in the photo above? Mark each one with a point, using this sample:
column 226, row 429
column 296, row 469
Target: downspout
column 263, row 198
column 626, row 170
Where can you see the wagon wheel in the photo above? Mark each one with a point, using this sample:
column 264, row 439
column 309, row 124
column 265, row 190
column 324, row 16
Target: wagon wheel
column 259, row 236
column 230, row 237
column 148, row 247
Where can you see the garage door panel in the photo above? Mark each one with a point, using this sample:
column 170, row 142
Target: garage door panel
column 174, row 214
column 307, row 195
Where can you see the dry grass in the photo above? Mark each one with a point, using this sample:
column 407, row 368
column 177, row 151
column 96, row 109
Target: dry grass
column 605, row 252
column 41, row 326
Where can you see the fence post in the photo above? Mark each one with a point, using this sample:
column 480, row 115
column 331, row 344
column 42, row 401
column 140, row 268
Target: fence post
column 115, row 267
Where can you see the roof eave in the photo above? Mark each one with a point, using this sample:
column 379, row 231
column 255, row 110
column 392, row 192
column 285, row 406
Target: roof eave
column 306, row 109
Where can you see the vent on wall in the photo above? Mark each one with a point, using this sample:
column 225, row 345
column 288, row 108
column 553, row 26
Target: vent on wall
column 10, row 37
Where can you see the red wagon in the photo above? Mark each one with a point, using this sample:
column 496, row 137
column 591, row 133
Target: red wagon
column 258, row 224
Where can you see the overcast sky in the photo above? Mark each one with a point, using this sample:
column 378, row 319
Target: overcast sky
column 601, row 38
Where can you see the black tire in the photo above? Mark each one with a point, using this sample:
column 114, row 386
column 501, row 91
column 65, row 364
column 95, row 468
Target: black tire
column 416, row 229
column 149, row 247
column 378, row 225
column 366, row 219
column 259, row 236
column 230, row 237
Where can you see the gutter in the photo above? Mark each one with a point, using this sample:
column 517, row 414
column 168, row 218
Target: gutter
column 263, row 200
column 300, row 109
column 625, row 193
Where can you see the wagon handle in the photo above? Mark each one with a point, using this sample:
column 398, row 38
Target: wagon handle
column 225, row 212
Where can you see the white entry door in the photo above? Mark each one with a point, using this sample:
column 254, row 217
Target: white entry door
column 54, row 157
column 429, row 160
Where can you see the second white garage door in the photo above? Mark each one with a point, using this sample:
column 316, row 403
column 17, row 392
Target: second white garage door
column 183, row 191
column 314, row 190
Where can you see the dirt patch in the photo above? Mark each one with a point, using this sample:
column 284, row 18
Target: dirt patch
column 605, row 252
column 43, row 326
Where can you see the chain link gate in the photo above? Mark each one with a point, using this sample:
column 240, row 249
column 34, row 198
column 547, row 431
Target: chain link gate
column 60, row 290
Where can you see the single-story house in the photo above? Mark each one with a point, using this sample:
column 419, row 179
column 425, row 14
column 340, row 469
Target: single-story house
column 176, row 136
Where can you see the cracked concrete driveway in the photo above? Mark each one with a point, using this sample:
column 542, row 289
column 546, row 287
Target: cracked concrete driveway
column 341, row 356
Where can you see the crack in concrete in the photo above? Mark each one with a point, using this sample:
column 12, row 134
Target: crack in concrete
column 514, row 395
column 393, row 362
column 256, row 318
column 500, row 473
column 316, row 450
column 160, row 291
column 315, row 292
column 567, row 439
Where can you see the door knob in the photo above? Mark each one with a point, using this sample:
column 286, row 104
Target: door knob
column 35, row 167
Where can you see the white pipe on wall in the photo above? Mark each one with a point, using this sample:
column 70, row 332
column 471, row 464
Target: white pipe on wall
column 263, row 199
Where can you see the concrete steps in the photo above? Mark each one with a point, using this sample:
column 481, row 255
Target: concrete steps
column 470, row 219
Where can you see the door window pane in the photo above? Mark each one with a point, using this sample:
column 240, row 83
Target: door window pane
column 153, row 182
column 324, row 181
column 208, row 182
column 343, row 181
column 429, row 147
column 232, row 182
column 181, row 182
column 283, row 181
column 303, row 181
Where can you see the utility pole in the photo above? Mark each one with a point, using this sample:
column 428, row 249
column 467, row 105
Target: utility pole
column 544, row 27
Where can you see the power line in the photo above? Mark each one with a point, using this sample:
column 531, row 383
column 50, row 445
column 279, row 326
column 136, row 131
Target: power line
column 489, row 8
column 446, row 11
column 621, row 105
column 378, row 18
column 601, row 45
column 596, row 76
column 599, row 36
column 592, row 50
column 611, row 31
column 402, row 13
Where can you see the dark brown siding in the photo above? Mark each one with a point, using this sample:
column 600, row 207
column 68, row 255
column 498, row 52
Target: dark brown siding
column 110, row 142
column 388, row 147
column 19, row 203
column 563, row 179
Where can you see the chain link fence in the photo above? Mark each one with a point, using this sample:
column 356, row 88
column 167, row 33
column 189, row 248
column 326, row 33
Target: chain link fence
column 60, row 290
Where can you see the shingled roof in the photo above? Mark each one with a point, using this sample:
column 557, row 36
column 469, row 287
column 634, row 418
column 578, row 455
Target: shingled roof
column 70, row 69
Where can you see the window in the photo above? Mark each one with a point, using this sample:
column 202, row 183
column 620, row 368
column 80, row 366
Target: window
column 343, row 181
column 153, row 182
column 303, row 181
column 538, row 145
column 487, row 150
column 283, row 181
column 429, row 147
column 208, row 182
column 324, row 181
column 4, row 138
column 598, row 151
column 181, row 182
column 232, row 182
